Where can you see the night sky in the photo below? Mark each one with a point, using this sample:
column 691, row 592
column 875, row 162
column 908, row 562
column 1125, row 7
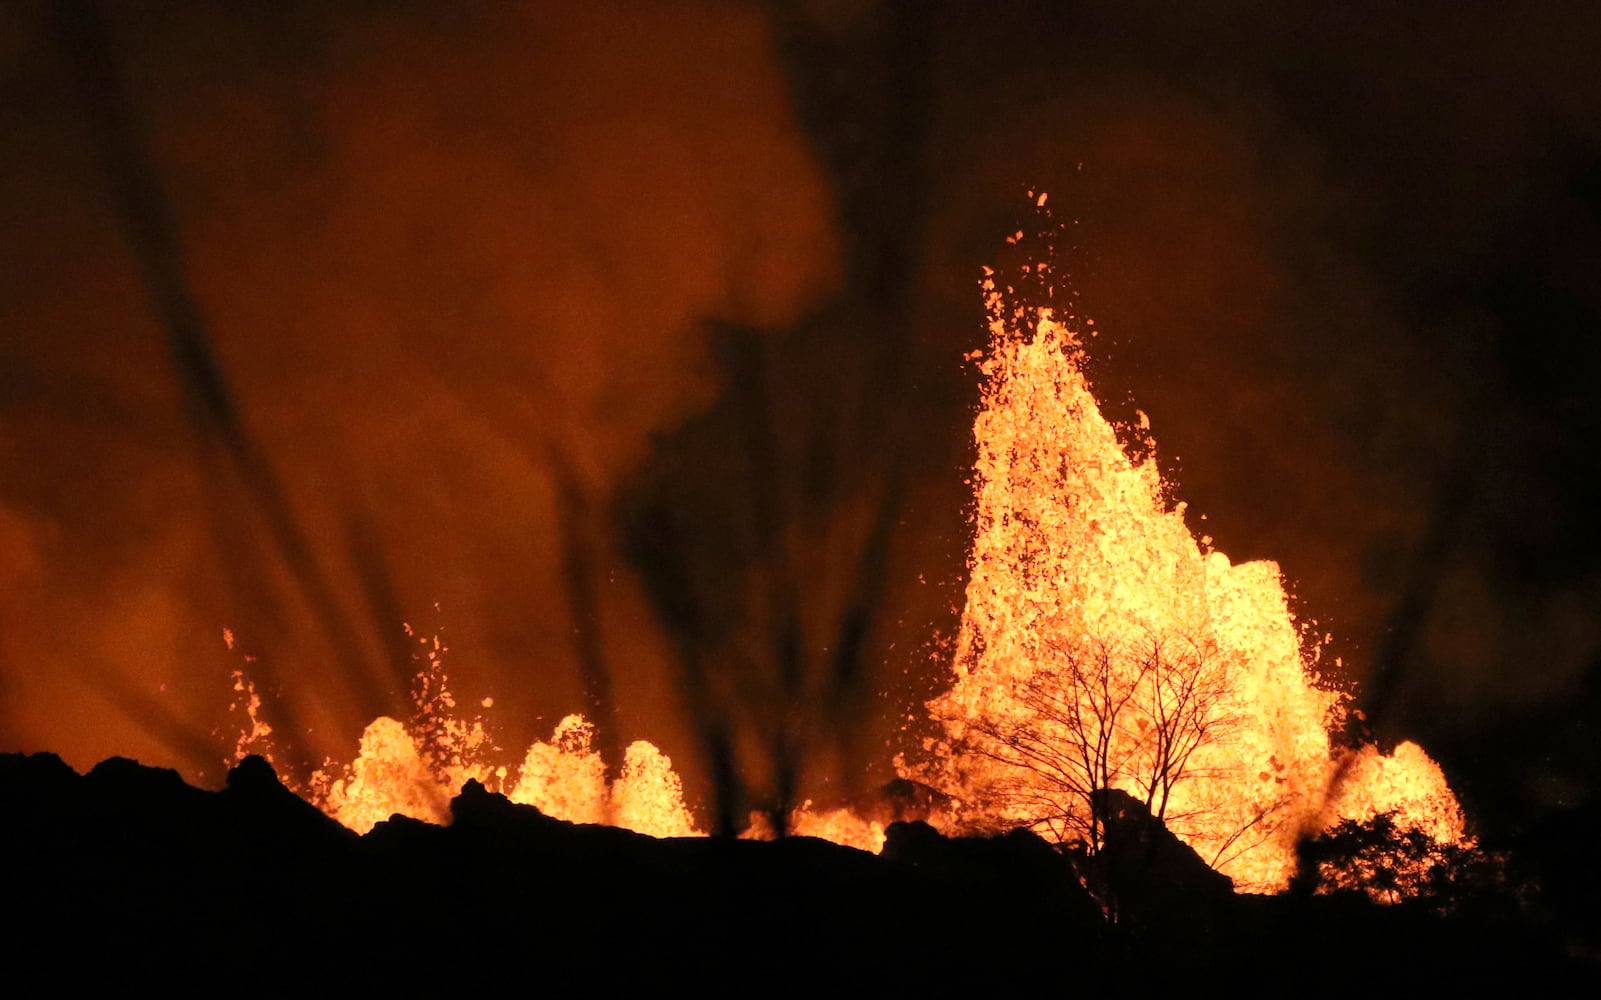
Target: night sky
column 614, row 330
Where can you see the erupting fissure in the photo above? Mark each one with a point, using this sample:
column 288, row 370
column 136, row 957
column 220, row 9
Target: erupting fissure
column 1102, row 646
column 415, row 768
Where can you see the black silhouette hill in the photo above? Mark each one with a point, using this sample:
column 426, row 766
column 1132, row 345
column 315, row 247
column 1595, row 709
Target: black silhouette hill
column 129, row 877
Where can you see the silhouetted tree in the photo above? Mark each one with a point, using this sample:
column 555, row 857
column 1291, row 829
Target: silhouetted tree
column 1128, row 715
column 1392, row 864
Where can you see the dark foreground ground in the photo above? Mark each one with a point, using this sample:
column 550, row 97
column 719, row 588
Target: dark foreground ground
column 127, row 877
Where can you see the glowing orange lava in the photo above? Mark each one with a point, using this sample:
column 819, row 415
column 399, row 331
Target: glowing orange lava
column 1102, row 645
column 415, row 768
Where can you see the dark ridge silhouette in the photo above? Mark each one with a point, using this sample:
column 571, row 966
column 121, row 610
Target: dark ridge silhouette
column 1146, row 857
column 128, row 876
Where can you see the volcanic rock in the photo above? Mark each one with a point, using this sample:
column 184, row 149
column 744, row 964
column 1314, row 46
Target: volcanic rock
column 1144, row 855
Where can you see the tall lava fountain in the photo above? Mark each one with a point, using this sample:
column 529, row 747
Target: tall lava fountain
column 1103, row 646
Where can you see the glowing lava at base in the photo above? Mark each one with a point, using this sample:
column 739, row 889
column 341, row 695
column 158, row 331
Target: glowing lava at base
column 414, row 769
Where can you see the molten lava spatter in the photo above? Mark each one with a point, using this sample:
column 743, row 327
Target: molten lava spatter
column 1102, row 646
column 415, row 768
